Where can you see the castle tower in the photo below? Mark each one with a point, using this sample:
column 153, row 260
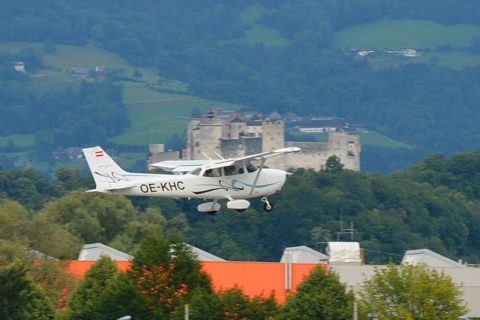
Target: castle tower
column 347, row 147
column 273, row 137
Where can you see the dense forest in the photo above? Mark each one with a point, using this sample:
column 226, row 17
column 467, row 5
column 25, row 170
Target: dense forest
column 430, row 107
column 435, row 205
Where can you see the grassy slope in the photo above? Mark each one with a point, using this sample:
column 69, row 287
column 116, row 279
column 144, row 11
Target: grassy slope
column 367, row 138
column 420, row 34
column 397, row 34
column 155, row 116
column 376, row 139
column 258, row 33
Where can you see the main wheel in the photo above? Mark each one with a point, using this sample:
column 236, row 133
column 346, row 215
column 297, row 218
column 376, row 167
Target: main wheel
column 240, row 210
column 268, row 207
column 212, row 213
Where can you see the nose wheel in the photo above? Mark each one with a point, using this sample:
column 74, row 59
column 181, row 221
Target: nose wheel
column 267, row 206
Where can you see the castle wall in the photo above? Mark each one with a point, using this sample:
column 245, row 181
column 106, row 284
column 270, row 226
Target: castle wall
column 233, row 148
column 315, row 154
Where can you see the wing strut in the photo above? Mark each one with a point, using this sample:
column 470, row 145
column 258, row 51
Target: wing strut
column 258, row 175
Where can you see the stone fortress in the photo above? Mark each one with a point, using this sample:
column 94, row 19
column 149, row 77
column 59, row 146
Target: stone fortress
column 233, row 135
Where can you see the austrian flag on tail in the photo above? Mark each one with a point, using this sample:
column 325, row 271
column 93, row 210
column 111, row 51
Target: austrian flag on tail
column 99, row 153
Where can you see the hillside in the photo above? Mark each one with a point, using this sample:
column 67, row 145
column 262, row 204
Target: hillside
column 280, row 57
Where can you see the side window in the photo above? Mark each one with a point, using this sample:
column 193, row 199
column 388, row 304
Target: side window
column 229, row 170
column 232, row 170
column 215, row 172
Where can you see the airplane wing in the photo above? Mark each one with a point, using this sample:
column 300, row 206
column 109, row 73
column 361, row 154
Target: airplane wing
column 183, row 166
column 259, row 156
column 267, row 154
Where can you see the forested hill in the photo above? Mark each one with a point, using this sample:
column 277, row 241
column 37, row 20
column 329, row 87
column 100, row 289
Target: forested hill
column 211, row 46
column 435, row 205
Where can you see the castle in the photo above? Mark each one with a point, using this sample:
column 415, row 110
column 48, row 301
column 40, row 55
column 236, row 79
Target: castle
column 235, row 136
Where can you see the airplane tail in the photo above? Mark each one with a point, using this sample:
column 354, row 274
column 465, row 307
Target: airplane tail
column 106, row 173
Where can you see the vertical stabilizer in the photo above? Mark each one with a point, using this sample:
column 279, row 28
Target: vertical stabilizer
column 105, row 171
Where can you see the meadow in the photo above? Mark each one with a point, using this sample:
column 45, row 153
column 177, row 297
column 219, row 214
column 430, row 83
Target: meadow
column 438, row 44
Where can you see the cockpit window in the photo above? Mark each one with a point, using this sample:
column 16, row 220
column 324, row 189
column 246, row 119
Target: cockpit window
column 196, row 172
column 251, row 167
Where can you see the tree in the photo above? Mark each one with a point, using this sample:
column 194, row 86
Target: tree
column 333, row 164
column 68, row 179
column 20, row 297
column 55, row 279
column 236, row 305
column 121, row 298
column 94, row 218
column 84, row 303
column 203, row 305
column 165, row 272
column 410, row 292
column 320, row 296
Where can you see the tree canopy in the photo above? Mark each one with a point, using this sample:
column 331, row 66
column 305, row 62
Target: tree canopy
column 20, row 296
column 410, row 292
column 320, row 296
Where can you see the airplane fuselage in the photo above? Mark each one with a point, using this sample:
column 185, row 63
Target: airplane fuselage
column 269, row 181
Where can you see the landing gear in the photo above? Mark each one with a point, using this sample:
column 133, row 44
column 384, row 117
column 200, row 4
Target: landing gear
column 267, row 206
column 210, row 208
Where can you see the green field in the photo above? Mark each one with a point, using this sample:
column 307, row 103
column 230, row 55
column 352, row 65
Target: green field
column 20, row 140
column 397, row 34
column 376, row 139
column 367, row 138
column 157, row 116
column 258, row 33
column 432, row 39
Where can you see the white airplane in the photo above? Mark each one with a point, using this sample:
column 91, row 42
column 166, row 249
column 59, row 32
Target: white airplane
column 231, row 179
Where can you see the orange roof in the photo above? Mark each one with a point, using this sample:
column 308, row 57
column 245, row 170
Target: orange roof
column 254, row 278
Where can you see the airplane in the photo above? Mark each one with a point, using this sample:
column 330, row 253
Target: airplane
column 234, row 180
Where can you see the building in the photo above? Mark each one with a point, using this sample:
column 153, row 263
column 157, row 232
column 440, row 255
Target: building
column 319, row 125
column 94, row 251
column 282, row 278
column 254, row 278
column 19, row 66
column 234, row 135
